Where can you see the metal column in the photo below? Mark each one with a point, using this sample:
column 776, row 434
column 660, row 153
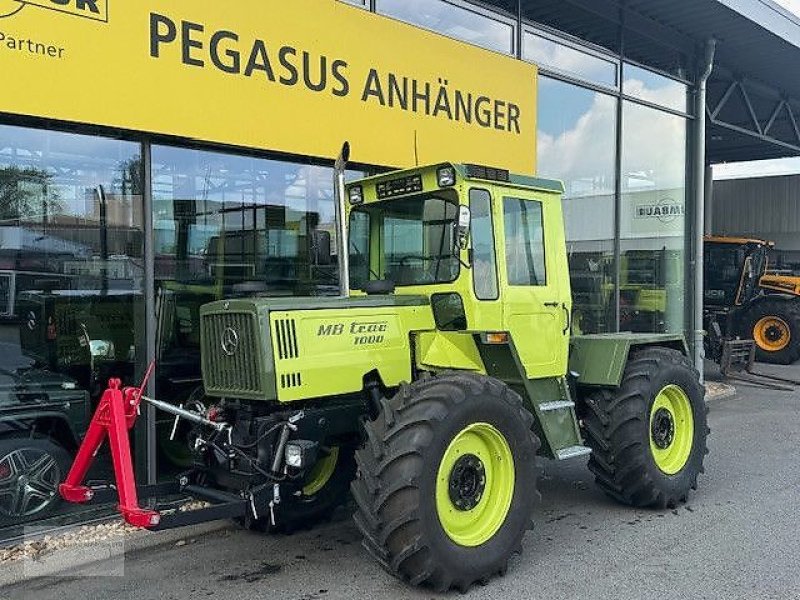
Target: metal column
column 699, row 201
column 150, row 309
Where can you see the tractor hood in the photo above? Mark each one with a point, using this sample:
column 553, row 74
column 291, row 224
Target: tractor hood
column 288, row 349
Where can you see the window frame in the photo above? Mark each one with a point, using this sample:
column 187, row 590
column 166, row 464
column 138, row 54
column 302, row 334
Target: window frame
column 471, row 7
column 495, row 269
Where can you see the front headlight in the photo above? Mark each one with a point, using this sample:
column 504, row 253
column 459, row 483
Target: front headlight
column 301, row 453
column 356, row 195
column 446, row 176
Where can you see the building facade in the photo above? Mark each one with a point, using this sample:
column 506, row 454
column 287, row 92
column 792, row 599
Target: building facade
column 157, row 157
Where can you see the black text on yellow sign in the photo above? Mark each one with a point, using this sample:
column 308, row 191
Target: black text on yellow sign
column 298, row 77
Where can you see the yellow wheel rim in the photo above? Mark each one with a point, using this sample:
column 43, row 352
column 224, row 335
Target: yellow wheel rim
column 321, row 473
column 772, row 334
column 671, row 429
column 475, row 485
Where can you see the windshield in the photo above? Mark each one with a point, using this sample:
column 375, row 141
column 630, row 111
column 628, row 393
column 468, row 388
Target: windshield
column 409, row 241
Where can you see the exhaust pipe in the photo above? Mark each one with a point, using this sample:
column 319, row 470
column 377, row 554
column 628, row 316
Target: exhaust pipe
column 342, row 246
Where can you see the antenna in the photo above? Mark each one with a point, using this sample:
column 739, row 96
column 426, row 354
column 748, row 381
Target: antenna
column 416, row 150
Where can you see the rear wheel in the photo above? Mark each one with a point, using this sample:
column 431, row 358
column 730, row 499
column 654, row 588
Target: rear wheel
column 774, row 325
column 648, row 437
column 447, row 481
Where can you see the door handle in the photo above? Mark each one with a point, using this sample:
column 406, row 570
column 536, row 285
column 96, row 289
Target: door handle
column 568, row 325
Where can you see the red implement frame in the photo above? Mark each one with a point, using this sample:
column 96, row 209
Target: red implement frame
column 115, row 415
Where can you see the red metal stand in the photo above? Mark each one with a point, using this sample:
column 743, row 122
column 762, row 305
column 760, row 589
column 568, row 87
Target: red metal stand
column 115, row 415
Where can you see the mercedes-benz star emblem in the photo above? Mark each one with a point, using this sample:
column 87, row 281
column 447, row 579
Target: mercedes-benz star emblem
column 230, row 341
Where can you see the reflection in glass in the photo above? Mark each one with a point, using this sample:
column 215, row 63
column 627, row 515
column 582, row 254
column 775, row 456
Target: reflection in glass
column 71, row 276
column 227, row 226
column 652, row 87
column 653, row 223
column 560, row 57
column 576, row 143
column 453, row 21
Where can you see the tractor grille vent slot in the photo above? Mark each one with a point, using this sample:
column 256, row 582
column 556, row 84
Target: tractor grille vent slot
column 286, row 338
column 231, row 362
column 291, row 380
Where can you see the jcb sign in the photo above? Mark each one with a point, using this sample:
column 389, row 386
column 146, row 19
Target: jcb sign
column 89, row 9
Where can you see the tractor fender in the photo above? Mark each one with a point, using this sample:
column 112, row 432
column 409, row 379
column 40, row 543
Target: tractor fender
column 599, row 359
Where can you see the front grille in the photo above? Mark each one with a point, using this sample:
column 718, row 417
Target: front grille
column 229, row 370
column 286, row 338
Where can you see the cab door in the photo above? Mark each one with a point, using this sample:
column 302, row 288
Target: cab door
column 536, row 293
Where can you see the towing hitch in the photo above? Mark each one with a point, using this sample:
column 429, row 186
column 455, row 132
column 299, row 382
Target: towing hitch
column 115, row 415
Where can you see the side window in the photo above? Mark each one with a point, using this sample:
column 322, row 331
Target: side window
column 359, row 249
column 524, row 242
column 484, row 265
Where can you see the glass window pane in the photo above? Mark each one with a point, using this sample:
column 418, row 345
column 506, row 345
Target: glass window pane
column 484, row 265
column 227, row 226
column 71, row 277
column 652, row 87
column 568, row 60
column 358, row 239
column 653, row 223
column 417, row 240
column 577, row 144
column 453, row 21
column 524, row 242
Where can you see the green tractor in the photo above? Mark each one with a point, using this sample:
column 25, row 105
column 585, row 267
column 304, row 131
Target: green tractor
column 435, row 384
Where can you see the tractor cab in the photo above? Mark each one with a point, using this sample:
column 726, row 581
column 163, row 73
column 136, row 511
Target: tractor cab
column 485, row 246
column 733, row 269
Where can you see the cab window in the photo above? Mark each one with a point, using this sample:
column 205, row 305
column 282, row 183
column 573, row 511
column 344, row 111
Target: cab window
column 525, row 253
column 484, row 269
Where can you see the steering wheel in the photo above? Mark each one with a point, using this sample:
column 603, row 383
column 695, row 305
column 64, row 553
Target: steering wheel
column 409, row 257
column 423, row 276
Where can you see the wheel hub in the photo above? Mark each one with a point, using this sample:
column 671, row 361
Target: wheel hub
column 467, row 482
column 663, row 428
column 774, row 334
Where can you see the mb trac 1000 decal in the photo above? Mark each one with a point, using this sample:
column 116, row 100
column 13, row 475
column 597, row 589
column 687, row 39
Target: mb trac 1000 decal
column 363, row 332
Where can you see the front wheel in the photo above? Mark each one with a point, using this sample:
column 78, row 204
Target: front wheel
column 447, row 480
column 648, row 437
column 325, row 488
column 774, row 325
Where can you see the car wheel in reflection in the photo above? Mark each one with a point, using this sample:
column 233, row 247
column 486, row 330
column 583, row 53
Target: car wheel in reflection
column 30, row 471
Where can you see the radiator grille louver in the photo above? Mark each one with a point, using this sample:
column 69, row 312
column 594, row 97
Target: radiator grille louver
column 291, row 380
column 229, row 373
column 286, row 339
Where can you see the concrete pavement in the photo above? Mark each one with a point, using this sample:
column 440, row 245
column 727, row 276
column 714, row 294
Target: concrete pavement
column 736, row 538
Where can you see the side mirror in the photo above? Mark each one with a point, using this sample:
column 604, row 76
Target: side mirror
column 464, row 220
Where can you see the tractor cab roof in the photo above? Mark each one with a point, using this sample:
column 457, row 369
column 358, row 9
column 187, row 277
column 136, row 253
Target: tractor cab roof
column 440, row 176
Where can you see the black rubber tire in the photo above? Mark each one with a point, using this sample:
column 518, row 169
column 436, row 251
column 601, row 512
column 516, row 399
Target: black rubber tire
column 617, row 428
column 297, row 514
column 56, row 451
column 784, row 308
column 394, row 489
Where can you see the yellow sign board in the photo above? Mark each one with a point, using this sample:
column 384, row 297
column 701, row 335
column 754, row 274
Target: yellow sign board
column 298, row 77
